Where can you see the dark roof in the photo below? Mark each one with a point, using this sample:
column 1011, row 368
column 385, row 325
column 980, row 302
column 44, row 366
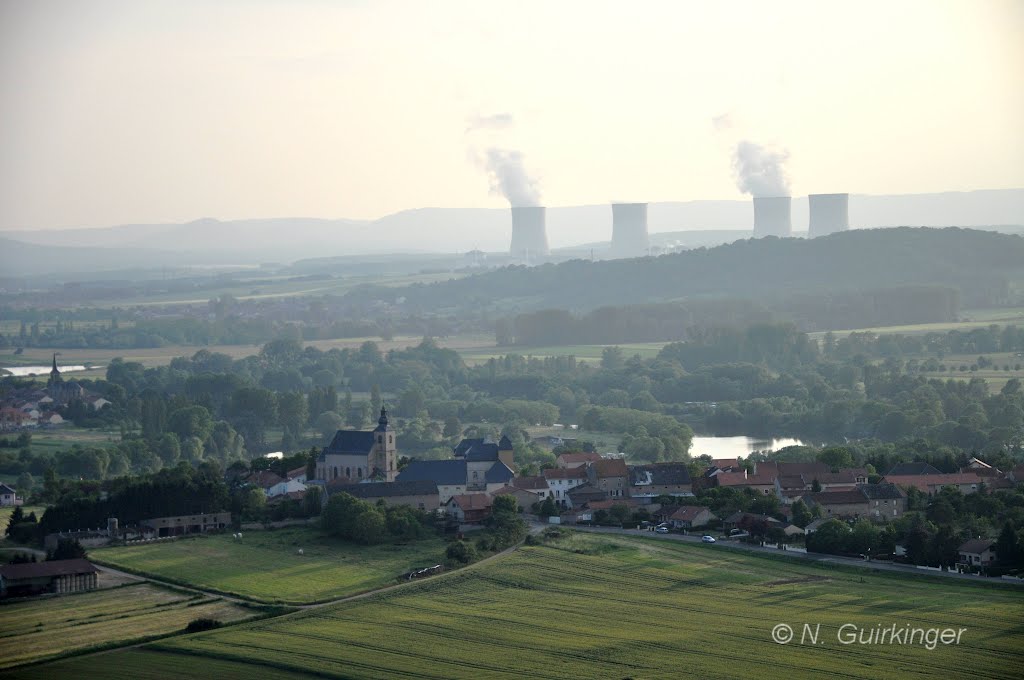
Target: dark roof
column 422, row 487
column 585, row 492
column 912, row 469
column 482, row 452
column 499, row 474
column 44, row 569
column 6, row 489
column 661, row 473
column 528, row 483
column 838, row 497
column 881, row 491
column 685, row 513
column 350, row 441
column 504, row 444
column 610, row 467
column 976, row 546
column 442, row 472
column 466, row 444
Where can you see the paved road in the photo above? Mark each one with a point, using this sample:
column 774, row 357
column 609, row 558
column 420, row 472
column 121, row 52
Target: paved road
column 813, row 557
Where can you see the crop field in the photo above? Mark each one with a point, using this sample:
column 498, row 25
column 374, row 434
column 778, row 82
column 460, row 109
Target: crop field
column 970, row 318
column 591, row 353
column 38, row 629
column 265, row 565
column 612, row 607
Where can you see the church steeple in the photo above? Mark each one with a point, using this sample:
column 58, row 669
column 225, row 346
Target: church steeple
column 382, row 422
column 55, row 373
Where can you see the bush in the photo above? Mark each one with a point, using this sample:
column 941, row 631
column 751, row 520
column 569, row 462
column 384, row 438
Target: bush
column 460, row 552
column 199, row 625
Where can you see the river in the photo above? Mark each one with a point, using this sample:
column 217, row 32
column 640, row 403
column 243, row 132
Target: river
column 23, row 371
column 737, row 447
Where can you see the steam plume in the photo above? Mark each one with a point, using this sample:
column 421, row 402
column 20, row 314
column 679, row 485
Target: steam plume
column 508, row 177
column 759, row 171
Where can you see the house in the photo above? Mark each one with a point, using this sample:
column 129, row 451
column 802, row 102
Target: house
column 977, row 552
column 524, row 498
column 187, row 524
column 264, row 479
column 690, row 517
column 966, row 482
column 791, row 487
column 480, row 454
column 584, row 494
column 904, row 469
column 9, row 497
column 561, row 481
column 536, row 485
column 738, row 519
column 286, row 486
column 470, row 508
column 885, row 501
column 298, row 473
column 576, row 459
column 659, row 479
column 808, row 470
column 609, row 503
column 459, row 476
column 55, row 576
column 813, row 526
column 725, row 463
column 420, row 494
column 761, row 481
column 609, row 475
column 845, row 504
column 357, row 455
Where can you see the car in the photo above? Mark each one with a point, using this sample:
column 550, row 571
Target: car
column 707, row 539
column 661, row 530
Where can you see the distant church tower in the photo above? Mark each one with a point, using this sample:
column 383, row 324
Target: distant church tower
column 55, row 378
column 385, row 455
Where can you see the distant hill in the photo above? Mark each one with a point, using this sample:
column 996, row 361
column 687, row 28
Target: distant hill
column 458, row 230
column 945, row 267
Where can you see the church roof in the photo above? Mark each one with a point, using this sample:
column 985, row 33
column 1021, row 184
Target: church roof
column 499, row 474
column 443, row 472
column 350, row 441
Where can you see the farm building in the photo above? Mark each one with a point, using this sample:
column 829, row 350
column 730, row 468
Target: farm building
column 58, row 576
column 469, row 508
column 8, row 497
column 188, row 524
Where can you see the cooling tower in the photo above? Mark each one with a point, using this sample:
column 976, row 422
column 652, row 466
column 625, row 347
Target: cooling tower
column 529, row 235
column 829, row 213
column 629, row 229
column 771, row 216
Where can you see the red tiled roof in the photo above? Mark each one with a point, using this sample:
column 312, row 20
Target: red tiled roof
column 610, row 467
column 565, row 473
column 927, row 482
column 688, row 513
column 610, row 502
column 529, row 483
column 472, row 501
column 725, row 462
column 839, row 497
column 579, row 457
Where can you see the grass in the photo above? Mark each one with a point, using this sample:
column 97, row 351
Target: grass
column 33, row 630
column 970, row 318
column 608, row 607
column 265, row 565
column 590, row 353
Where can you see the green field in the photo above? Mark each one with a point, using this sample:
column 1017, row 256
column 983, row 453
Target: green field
column 265, row 565
column 37, row 629
column 5, row 514
column 609, row 607
column 969, row 318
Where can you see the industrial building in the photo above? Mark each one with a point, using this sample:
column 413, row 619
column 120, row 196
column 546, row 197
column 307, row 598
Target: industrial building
column 772, row 216
column 829, row 213
column 529, row 233
column 629, row 230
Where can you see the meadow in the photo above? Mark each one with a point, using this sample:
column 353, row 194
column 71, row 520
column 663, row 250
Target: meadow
column 38, row 629
column 609, row 607
column 265, row 566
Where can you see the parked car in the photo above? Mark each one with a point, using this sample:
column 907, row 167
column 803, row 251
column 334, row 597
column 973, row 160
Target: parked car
column 707, row 539
column 661, row 530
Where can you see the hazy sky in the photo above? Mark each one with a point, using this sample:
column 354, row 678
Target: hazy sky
column 140, row 111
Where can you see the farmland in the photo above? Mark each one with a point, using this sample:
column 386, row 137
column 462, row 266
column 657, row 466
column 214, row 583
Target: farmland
column 265, row 565
column 609, row 607
column 35, row 630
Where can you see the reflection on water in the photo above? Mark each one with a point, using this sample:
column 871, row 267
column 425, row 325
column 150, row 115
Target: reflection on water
column 22, row 371
column 737, row 447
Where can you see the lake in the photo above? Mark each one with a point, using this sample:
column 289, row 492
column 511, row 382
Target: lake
column 23, row 371
column 737, row 447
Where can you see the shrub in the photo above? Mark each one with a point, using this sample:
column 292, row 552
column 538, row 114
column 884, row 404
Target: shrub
column 199, row 625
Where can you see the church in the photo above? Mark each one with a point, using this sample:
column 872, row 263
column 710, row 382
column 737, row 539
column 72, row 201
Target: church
column 357, row 455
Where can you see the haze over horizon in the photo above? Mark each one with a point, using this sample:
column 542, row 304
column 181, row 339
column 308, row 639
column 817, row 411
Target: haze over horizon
column 158, row 112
